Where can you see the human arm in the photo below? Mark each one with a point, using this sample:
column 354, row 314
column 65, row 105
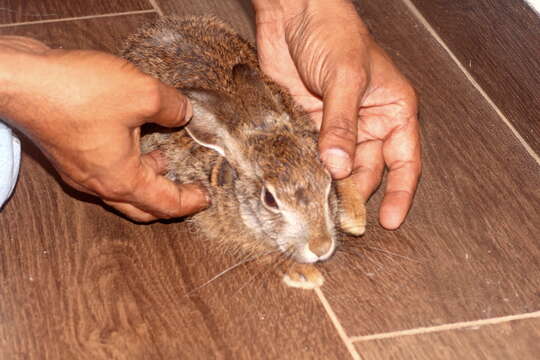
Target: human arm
column 84, row 110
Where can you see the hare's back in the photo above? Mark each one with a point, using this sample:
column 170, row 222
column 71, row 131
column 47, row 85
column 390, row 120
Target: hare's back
column 192, row 52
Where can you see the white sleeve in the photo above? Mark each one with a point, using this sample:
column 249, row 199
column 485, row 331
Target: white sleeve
column 10, row 158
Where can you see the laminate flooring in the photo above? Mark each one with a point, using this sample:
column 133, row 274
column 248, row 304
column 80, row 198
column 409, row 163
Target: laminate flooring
column 459, row 280
column 497, row 42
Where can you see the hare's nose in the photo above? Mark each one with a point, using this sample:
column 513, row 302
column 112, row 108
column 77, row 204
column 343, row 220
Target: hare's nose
column 322, row 247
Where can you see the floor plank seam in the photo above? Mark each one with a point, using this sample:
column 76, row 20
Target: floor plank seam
column 137, row 12
column 156, row 7
column 417, row 14
column 446, row 327
column 339, row 328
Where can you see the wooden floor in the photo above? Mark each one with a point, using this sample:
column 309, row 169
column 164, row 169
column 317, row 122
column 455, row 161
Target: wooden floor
column 460, row 279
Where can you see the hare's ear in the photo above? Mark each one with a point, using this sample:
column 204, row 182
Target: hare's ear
column 206, row 126
column 252, row 89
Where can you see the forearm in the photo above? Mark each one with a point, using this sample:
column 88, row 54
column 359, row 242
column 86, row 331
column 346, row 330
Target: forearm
column 12, row 67
column 276, row 14
column 277, row 11
column 20, row 58
column 277, row 6
column 287, row 8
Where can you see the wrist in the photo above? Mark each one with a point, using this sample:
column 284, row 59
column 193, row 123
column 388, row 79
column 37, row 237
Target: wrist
column 280, row 12
column 16, row 72
column 18, row 56
column 269, row 5
column 275, row 10
column 7, row 78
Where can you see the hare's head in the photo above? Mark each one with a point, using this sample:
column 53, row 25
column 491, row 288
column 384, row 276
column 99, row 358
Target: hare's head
column 284, row 194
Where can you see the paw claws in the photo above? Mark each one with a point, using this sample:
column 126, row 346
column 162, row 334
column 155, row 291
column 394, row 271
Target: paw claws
column 303, row 277
column 353, row 226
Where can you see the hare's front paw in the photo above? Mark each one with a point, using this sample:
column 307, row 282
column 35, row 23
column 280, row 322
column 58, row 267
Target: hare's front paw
column 352, row 212
column 303, row 276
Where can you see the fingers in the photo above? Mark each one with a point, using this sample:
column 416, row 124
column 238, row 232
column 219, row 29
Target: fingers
column 161, row 197
column 125, row 208
column 337, row 140
column 153, row 196
column 173, row 108
column 368, row 173
column 180, row 200
column 401, row 152
column 165, row 199
column 131, row 211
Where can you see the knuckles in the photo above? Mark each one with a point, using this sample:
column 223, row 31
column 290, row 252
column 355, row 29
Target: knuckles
column 339, row 133
column 350, row 72
column 119, row 190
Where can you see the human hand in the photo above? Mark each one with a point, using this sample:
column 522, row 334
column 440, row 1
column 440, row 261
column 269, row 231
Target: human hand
column 84, row 110
column 367, row 111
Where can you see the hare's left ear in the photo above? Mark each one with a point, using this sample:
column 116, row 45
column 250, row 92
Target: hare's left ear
column 214, row 123
column 204, row 127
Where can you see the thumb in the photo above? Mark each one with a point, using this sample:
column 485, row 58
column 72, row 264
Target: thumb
column 337, row 140
column 174, row 107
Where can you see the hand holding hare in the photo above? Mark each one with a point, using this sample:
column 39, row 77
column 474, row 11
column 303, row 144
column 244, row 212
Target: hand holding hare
column 367, row 110
column 75, row 106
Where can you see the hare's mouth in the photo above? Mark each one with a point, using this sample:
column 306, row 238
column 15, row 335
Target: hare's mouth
column 304, row 253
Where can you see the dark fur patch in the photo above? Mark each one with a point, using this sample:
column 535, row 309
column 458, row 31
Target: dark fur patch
column 302, row 196
column 222, row 173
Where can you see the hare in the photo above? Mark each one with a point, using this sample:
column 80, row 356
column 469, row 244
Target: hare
column 249, row 144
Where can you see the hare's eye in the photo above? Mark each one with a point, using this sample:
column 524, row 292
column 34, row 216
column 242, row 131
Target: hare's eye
column 269, row 199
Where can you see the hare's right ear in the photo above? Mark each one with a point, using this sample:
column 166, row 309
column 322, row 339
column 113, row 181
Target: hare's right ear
column 212, row 123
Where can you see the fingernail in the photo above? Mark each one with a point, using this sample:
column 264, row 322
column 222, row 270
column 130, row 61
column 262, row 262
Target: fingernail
column 200, row 195
column 206, row 196
column 189, row 110
column 338, row 162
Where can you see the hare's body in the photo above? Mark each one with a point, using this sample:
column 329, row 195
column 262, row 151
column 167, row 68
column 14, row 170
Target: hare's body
column 248, row 144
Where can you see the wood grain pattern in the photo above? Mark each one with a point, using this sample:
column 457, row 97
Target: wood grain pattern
column 469, row 249
column 15, row 11
column 510, row 340
column 79, row 282
column 499, row 44
column 89, row 34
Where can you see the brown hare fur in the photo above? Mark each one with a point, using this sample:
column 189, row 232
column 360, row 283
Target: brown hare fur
column 248, row 144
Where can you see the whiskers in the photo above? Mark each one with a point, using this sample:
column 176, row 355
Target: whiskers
column 371, row 260
column 392, row 254
column 361, row 250
column 282, row 257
